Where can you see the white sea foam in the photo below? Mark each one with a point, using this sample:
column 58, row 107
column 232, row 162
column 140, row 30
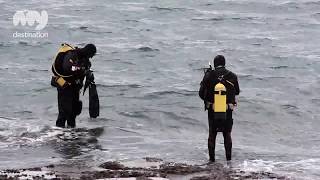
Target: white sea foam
column 27, row 134
column 289, row 169
column 28, row 174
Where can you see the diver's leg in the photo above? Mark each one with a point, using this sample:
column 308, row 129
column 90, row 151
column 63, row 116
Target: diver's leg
column 212, row 144
column 212, row 136
column 66, row 104
column 75, row 110
column 227, row 144
column 227, row 136
column 61, row 120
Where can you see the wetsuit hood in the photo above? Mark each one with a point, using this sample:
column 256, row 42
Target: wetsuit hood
column 88, row 51
column 219, row 61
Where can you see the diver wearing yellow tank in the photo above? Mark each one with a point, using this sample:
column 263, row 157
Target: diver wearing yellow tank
column 69, row 69
column 218, row 90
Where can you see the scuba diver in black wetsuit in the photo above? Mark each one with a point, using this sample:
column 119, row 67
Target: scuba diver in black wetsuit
column 70, row 67
column 218, row 90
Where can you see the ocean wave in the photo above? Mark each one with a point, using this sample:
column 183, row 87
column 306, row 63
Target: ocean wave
column 83, row 27
column 312, row 3
column 25, row 43
column 5, row 119
column 160, row 94
column 288, row 4
column 209, row 19
column 279, row 67
column 30, row 136
column 5, row 44
column 316, row 101
column 135, row 114
column 38, row 70
column 146, row 49
column 169, row 8
column 23, row 112
column 298, row 5
column 225, row 18
column 208, row 4
column 128, row 130
column 83, row 10
column 132, row 20
column 25, row 136
column 292, row 109
column 172, row 116
column 289, row 107
column 174, row 120
column 249, row 77
column 121, row 86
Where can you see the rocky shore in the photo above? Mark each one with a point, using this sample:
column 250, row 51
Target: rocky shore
column 157, row 170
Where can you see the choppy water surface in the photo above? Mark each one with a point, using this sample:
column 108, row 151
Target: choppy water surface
column 148, row 71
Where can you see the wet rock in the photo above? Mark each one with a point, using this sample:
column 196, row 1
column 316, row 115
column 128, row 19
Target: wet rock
column 201, row 178
column 256, row 175
column 180, row 168
column 12, row 171
column 150, row 159
column 92, row 140
column 3, row 176
column 96, row 131
column 64, row 177
column 147, row 49
column 34, row 169
column 143, row 178
column 166, row 170
column 50, row 166
column 112, row 165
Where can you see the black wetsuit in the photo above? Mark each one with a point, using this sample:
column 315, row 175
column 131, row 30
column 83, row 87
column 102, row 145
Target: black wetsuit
column 207, row 88
column 69, row 104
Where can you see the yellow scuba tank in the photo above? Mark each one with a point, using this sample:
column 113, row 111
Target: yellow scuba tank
column 220, row 101
column 65, row 47
column 58, row 79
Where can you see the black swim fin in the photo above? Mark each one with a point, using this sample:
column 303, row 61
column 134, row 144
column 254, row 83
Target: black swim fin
column 94, row 105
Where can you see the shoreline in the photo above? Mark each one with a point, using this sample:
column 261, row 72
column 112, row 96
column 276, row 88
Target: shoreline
column 155, row 169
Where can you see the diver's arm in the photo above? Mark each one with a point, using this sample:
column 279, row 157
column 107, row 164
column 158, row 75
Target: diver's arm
column 236, row 86
column 204, row 85
column 70, row 65
column 237, row 89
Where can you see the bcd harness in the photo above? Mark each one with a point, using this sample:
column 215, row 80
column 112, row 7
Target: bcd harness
column 58, row 78
column 220, row 105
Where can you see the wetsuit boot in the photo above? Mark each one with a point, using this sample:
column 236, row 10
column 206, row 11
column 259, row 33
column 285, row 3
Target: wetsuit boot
column 61, row 120
column 71, row 122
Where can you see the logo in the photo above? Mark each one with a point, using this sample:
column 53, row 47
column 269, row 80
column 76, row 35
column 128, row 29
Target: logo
column 31, row 18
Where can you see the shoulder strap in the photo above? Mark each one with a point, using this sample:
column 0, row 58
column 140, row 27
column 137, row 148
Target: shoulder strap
column 230, row 83
column 221, row 78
